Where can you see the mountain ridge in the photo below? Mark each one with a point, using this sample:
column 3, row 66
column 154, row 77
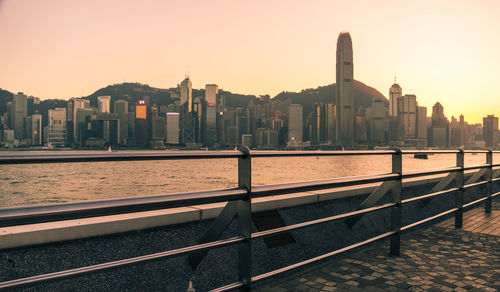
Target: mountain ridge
column 132, row 92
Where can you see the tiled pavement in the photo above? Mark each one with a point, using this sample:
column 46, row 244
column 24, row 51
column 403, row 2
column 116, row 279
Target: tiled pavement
column 432, row 259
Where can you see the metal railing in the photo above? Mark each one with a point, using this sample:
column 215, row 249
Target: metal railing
column 239, row 204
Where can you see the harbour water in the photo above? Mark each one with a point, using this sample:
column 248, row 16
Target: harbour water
column 68, row 182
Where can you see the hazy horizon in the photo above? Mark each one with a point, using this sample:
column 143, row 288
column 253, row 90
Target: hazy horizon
column 440, row 51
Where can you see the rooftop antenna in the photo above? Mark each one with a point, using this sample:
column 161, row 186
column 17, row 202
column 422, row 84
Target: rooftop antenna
column 395, row 78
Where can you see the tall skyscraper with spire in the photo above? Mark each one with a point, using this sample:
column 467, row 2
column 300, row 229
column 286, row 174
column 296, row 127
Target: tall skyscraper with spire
column 187, row 93
column 395, row 92
column 345, row 91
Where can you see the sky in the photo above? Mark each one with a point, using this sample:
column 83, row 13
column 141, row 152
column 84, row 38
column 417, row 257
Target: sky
column 446, row 51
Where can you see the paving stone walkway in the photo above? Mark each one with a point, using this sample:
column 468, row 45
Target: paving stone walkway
column 432, row 259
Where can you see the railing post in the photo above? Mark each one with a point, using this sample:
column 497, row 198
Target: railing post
column 397, row 168
column 459, row 195
column 245, row 219
column 489, row 177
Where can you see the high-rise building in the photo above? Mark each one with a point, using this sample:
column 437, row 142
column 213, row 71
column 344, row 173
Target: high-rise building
column 173, row 128
column 323, row 124
column 36, row 129
column 422, row 124
column 104, row 104
column 81, row 121
column 439, row 132
column 211, row 91
column 490, row 130
column 378, row 114
column 295, row 125
column 187, row 93
column 407, row 112
column 78, row 104
column 141, row 128
column 121, row 106
column 56, row 128
column 395, row 92
column 159, row 130
column 345, row 91
column 20, row 114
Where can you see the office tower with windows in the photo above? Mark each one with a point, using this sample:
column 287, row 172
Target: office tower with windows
column 172, row 128
column 345, row 91
column 78, row 104
column 104, row 104
column 395, row 92
column 56, row 128
column 121, row 107
column 20, row 111
column 295, row 125
column 490, row 130
column 186, row 89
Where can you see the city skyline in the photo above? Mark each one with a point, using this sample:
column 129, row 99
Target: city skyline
column 69, row 49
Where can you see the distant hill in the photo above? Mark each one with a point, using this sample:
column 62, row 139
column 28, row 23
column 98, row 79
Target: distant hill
column 132, row 92
column 5, row 96
column 363, row 96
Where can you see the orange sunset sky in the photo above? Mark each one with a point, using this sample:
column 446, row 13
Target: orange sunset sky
column 446, row 51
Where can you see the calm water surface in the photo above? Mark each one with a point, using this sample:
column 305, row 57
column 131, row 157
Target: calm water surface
column 55, row 183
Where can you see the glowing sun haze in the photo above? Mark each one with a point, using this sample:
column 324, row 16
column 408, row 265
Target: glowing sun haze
column 444, row 51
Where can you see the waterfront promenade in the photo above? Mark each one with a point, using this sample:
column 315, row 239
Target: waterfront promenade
column 438, row 257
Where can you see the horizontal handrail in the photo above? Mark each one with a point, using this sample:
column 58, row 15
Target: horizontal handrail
column 121, row 156
column 475, row 151
column 174, row 155
column 415, row 224
column 475, row 202
column 261, row 153
column 429, row 151
column 429, row 195
column 118, row 264
column 64, row 211
column 318, row 221
column 473, row 167
column 288, row 188
column 423, row 172
column 475, row 184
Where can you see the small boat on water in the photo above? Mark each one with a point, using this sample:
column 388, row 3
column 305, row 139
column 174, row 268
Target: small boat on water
column 421, row 155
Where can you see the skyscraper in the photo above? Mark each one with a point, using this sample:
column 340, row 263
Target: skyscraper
column 295, row 124
column 439, row 127
column 121, row 106
column 345, row 91
column 490, row 130
column 172, row 128
column 104, row 104
column 395, row 92
column 141, row 128
column 378, row 121
column 78, row 104
column 407, row 112
column 20, row 112
column 187, row 93
column 211, row 91
column 36, row 129
column 56, row 132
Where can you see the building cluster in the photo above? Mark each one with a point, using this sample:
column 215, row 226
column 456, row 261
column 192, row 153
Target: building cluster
column 403, row 123
column 209, row 120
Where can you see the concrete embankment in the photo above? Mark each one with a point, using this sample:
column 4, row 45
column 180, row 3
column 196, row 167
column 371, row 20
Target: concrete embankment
column 220, row 266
